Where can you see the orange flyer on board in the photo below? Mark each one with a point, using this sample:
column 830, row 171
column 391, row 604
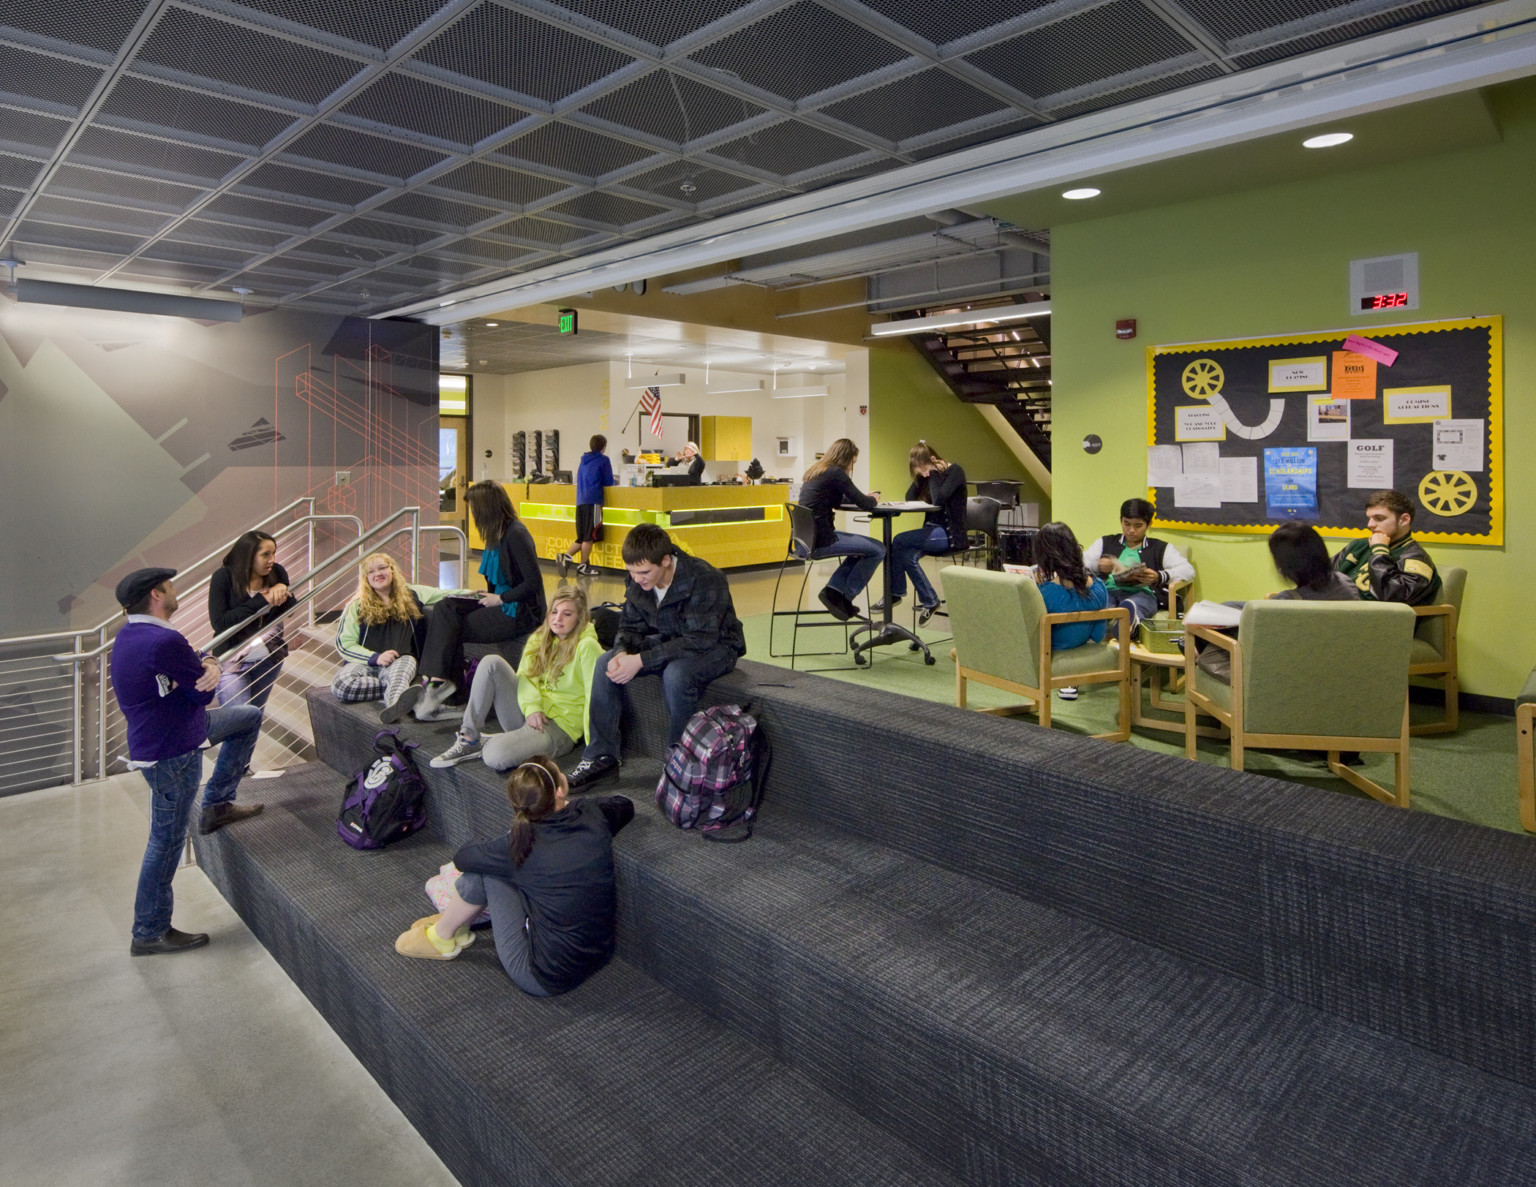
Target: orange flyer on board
column 1354, row 376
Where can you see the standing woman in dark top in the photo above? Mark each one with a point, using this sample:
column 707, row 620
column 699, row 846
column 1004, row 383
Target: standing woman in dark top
column 548, row 883
column 512, row 609
column 825, row 488
column 943, row 484
column 251, row 586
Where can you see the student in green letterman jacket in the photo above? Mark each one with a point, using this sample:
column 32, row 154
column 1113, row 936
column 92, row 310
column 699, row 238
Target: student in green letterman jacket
column 1390, row 566
column 1136, row 567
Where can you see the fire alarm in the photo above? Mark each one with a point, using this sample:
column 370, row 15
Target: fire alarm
column 1126, row 328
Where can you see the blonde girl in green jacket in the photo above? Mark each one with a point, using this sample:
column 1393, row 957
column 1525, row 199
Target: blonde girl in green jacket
column 543, row 705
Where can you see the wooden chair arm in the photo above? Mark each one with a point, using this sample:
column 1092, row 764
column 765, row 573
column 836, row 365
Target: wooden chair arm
column 1211, row 635
column 1085, row 615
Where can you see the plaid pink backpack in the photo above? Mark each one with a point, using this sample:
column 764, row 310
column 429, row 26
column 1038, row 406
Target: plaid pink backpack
column 713, row 778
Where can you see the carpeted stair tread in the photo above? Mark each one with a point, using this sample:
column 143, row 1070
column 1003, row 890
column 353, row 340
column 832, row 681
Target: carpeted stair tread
column 620, row 1081
column 823, row 946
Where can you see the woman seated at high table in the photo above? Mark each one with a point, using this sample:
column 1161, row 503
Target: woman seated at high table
column 1301, row 558
column 250, row 587
column 380, row 634
column 941, row 483
column 826, row 487
column 510, row 610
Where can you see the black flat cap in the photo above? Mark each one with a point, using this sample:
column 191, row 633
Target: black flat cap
column 137, row 584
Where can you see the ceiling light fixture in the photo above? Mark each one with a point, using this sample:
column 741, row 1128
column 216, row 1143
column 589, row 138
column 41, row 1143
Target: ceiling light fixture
column 950, row 321
column 491, row 325
column 726, row 389
column 1078, row 195
column 645, row 381
column 799, row 393
column 1328, row 140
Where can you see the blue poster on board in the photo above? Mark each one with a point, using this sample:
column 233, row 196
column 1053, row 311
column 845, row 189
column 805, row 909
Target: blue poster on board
column 1290, row 483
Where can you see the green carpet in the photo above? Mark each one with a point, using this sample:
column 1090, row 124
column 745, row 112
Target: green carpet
column 1468, row 775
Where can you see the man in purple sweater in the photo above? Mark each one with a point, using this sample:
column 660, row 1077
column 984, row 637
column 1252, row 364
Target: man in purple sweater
column 163, row 688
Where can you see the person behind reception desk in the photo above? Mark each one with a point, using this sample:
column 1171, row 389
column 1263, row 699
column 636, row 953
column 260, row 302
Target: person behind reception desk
column 593, row 474
column 510, row 612
column 825, row 488
column 941, row 483
column 690, row 457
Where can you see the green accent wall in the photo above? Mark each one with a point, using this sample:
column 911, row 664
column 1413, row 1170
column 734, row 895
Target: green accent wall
column 908, row 402
column 1276, row 260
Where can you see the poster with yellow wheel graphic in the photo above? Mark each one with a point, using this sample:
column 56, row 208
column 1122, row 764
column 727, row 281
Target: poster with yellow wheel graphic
column 1235, row 419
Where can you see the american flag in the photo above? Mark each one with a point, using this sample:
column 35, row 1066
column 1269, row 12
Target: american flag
column 650, row 401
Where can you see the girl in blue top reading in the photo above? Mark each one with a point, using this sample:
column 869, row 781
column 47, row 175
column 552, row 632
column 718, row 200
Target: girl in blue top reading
column 1067, row 586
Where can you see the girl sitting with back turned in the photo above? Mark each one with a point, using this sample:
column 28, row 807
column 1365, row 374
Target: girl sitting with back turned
column 1067, row 586
column 380, row 633
column 548, row 884
column 543, row 705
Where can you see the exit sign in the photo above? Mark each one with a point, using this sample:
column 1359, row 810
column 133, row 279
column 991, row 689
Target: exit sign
column 567, row 321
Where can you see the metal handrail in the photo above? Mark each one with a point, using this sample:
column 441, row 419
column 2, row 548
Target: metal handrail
column 413, row 530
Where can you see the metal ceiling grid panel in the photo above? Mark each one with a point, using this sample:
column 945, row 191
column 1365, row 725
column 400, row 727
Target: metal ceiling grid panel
column 915, row 105
column 520, row 54
column 672, row 107
column 506, row 186
column 46, row 77
column 256, row 127
column 202, row 47
column 415, row 104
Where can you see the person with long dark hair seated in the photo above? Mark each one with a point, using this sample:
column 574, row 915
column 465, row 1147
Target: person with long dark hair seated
column 542, row 707
column 509, row 612
column 380, row 634
column 548, row 884
column 941, row 483
column 250, row 587
column 1300, row 557
column 825, row 488
column 1068, row 587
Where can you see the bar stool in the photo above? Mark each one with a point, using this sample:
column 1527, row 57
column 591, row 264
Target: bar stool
column 802, row 540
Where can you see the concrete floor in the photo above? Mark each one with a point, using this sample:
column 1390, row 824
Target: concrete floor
column 204, row 1068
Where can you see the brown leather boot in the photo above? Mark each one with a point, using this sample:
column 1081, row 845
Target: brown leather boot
column 216, row 816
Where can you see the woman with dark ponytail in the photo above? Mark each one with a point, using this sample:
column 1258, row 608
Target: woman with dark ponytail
column 548, row 885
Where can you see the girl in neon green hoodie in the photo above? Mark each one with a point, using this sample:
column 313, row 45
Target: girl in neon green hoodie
column 543, row 706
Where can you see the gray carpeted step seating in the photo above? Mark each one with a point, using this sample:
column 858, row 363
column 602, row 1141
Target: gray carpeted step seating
column 1007, row 954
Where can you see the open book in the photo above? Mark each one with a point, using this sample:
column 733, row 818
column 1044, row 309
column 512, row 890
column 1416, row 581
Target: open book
column 1204, row 613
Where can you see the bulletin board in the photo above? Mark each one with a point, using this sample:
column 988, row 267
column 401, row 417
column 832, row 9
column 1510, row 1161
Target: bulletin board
column 1244, row 435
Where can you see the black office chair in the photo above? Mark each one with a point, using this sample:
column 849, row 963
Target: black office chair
column 802, row 539
column 1006, row 493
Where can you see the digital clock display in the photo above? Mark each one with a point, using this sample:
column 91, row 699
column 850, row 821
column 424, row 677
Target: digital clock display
column 1384, row 301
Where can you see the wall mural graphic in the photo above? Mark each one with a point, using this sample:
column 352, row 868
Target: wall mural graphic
column 129, row 440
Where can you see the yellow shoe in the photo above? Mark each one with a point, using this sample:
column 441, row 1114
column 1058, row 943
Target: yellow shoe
column 464, row 937
column 418, row 944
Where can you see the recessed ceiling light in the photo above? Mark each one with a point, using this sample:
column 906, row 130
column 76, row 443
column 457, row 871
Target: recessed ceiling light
column 492, row 324
column 1328, row 140
column 1085, row 192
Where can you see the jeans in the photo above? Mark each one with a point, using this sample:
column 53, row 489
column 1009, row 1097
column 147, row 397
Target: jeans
column 683, row 681
column 861, row 557
column 173, row 790
column 495, row 691
column 245, row 683
column 1142, row 603
column 509, row 926
column 907, row 552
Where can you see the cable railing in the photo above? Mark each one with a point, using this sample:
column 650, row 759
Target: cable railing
column 58, row 719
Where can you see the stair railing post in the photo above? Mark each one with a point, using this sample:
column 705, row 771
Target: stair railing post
column 77, row 696
column 310, row 566
column 416, row 543
column 101, row 705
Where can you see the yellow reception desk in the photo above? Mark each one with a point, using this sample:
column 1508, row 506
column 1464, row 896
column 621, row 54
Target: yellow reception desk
column 729, row 526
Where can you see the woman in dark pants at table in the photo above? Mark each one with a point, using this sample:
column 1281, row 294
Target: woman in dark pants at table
column 825, row 488
column 941, row 483
column 511, row 610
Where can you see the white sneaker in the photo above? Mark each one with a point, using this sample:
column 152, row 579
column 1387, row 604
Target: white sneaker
column 1069, row 693
column 462, row 750
column 432, row 699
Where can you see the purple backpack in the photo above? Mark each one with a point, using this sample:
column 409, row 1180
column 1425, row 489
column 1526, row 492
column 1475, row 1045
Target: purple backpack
column 713, row 778
column 387, row 799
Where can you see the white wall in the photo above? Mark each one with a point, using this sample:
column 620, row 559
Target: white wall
column 595, row 398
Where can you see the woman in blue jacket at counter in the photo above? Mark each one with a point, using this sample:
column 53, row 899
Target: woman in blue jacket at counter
column 548, row 884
